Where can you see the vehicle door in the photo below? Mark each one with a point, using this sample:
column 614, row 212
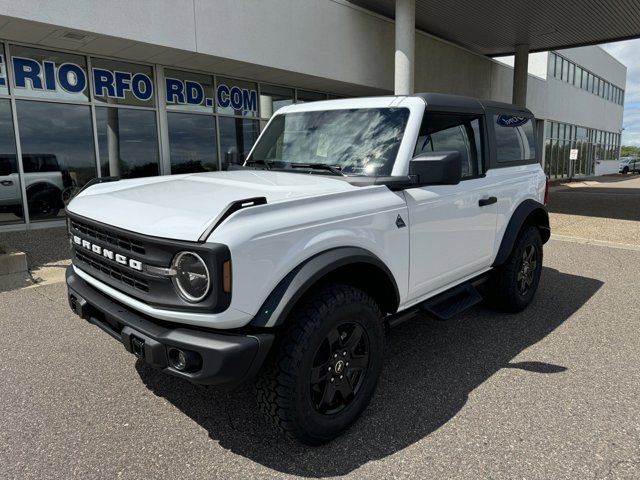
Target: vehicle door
column 9, row 181
column 452, row 227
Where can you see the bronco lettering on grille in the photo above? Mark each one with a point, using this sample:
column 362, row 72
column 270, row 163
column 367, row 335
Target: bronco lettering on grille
column 108, row 254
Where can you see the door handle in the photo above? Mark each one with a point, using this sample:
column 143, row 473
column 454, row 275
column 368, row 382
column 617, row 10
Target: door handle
column 483, row 202
column 7, row 183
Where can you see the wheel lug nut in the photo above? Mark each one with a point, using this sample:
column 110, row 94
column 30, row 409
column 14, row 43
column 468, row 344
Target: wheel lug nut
column 335, row 355
column 332, row 379
column 344, row 354
column 341, row 377
column 346, row 364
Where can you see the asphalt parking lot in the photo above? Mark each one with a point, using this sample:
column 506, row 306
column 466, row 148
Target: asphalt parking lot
column 549, row 393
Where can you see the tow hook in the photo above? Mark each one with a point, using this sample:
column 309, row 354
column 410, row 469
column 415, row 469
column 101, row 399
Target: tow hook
column 137, row 347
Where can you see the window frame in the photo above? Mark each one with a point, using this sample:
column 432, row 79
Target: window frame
column 484, row 150
column 491, row 132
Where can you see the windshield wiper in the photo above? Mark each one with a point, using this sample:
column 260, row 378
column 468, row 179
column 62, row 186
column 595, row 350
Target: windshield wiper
column 319, row 166
column 259, row 160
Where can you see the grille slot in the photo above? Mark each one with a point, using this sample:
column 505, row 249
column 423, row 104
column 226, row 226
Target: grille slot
column 114, row 272
column 103, row 235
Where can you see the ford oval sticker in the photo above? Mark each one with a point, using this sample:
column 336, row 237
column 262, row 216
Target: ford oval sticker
column 511, row 121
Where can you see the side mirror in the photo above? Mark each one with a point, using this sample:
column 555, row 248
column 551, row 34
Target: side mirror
column 436, row 168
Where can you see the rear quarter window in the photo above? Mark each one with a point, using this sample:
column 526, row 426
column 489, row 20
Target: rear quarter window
column 514, row 138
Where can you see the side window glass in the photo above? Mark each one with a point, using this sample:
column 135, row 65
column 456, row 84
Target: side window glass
column 514, row 138
column 461, row 133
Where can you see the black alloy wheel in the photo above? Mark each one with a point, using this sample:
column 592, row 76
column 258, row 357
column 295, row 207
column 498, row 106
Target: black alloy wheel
column 339, row 368
column 325, row 365
column 528, row 268
column 512, row 285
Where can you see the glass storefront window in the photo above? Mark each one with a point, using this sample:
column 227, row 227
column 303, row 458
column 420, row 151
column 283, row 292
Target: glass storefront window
column 237, row 136
column 122, row 83
column 57, row 154
column 46, row 74
column 192, row 142
column 272, row 98
column 572, row 68
column 308, row 96
column 4, row 79
column 189, row 91
column 127, row 142
column 236, row 97
column 10, row 189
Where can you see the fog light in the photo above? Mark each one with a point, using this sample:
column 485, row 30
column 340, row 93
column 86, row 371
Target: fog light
column 184, row 361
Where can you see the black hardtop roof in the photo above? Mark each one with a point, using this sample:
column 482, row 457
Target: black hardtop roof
column 446, row 102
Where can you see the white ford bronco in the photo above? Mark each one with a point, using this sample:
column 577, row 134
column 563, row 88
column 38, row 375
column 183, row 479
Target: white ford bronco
column 347, row 217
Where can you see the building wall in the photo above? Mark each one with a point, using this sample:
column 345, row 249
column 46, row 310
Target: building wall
column 571, row 104
column 335, row 41
column 315, row 47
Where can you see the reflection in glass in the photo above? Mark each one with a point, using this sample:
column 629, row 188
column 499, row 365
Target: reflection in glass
column 358, row 141
column 186, row 88
column 127, row 142
column 4, row 80
column 10, row 191
column 57, row 154
column 192, row 142
column 272, row 98
column 57, row 78
column 514, row 140
column 237, row 136
column 239, row 92
column 102, row 93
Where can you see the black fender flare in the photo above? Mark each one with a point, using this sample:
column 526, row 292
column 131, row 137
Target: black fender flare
column 276, row 308
column 531, row 212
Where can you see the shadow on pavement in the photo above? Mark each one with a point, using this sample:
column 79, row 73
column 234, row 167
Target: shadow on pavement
column 430, row 369
column 618, row 203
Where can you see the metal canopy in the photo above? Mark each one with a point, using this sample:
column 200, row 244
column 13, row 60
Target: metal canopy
column 495, row 27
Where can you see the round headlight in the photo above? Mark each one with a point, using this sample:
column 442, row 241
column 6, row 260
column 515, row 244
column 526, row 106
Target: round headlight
column 192, row 280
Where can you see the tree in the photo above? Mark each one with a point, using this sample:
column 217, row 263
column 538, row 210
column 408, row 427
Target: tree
column 629, row 151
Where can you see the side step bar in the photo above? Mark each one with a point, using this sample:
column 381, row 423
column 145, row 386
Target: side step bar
column 450, row 303
column 444, row 305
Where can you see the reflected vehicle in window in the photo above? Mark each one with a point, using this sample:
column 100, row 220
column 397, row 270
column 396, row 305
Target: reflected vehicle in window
column 45, row 183
column 629, row 164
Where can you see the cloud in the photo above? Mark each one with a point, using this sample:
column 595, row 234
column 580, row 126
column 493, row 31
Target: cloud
column 627, row 53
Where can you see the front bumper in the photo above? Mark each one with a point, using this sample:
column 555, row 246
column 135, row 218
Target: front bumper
column 216, row 358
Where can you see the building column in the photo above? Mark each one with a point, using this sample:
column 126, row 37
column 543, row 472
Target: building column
column 405, row 46
column 113, row 141
column 520, row 69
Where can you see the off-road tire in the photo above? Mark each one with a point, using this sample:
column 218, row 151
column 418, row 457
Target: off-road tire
column 284, row 387
column 502, row 289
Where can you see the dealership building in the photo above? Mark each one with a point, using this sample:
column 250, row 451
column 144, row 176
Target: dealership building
column 149, row 87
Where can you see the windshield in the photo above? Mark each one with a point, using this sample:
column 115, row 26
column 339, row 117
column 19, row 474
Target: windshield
column 361, row 141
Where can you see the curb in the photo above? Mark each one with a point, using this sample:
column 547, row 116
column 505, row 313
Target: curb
column 14, row 271
column 12, row 261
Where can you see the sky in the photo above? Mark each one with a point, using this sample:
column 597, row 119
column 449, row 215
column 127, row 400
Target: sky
column 628, row 52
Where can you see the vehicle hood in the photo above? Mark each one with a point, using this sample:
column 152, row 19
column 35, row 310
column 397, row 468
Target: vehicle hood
column 182, row 207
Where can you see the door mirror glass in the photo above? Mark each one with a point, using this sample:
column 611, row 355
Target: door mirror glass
column 436, row 168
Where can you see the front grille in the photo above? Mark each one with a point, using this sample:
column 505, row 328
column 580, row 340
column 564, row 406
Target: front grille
column 114, row 272
column 111, row 238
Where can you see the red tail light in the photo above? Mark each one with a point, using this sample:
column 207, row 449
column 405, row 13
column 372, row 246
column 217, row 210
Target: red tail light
column 546, row 191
